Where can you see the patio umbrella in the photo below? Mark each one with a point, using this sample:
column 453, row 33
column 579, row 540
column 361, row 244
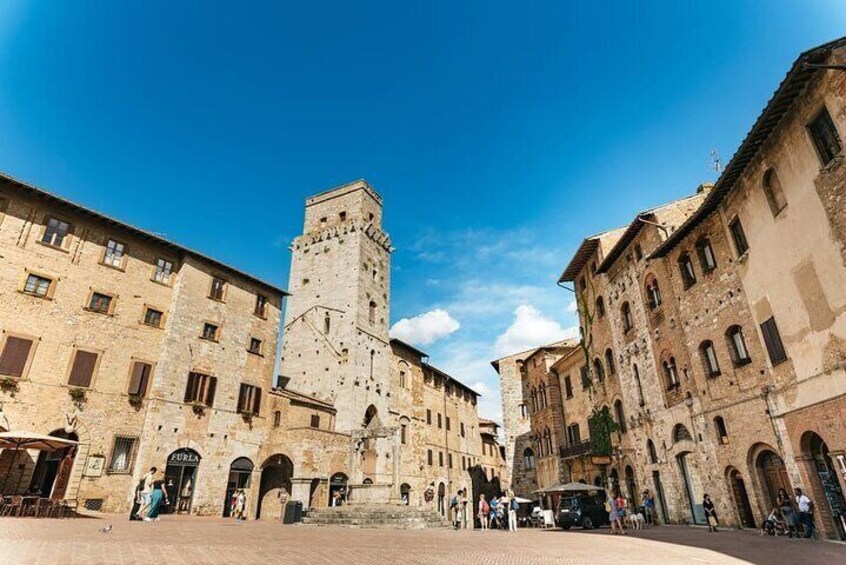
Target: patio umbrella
column 570, row 487
column 30, row 440
column 520, row 500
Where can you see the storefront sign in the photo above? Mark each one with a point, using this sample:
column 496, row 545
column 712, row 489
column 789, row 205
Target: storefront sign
column 600, row 460
column 184, row 457
column 94, row 466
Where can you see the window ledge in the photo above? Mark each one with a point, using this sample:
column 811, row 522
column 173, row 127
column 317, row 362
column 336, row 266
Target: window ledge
column 146, row 325
column 92, row 311
column 743, row 258
column 120, row 268
column 714, row 375
column 221, row 300
column 167, row 284
column 742, row 363
column 257, row 315
column 51, row 246
column 256, row 353
column 209, row 339
column 39, row 296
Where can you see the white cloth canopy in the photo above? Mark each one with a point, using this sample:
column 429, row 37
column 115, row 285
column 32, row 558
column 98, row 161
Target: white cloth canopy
column 569, row 487
column 32, row 440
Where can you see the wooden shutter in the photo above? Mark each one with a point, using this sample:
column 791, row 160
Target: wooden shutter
column 257, row 401
column 83, row 369
column 772, row 339
column 190, row 394
column 14, row 357
column 211, row 387
column 242, row 398
column 140, row 377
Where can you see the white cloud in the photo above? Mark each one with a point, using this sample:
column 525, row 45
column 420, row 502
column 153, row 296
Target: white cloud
column 572, row 307
column 529, row 329
column 425, row 328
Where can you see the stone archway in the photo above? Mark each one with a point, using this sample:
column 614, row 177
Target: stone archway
column 826, row 490
column 772, row 476
column 275, row 489
column 52, row 473
column 737, row 488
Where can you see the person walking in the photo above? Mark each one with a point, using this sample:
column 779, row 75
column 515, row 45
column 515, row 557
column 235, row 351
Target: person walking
column 649, row 507
column 455, row 510
column 484, row 510
column 622, row 507
column 464, row 502
column 429, row 495
column 157, row 495
column 146, row 491
column 614, row 516
column 136, row 501
column 806, row 512
column 710, row 512
column 786, row 507
column 512, row 512
column 492, row 514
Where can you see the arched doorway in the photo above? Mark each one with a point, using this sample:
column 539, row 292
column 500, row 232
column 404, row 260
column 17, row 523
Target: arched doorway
column 442, row 499
column 240, row 473
column 696, row 512
column 631, row 486
column 405, row 493
column 614, row 482
column 52, row 470
column 275, row 487
column 180, row 480
column 773, row 476
column 597, row 481
column 737, row 486
column 827, row 494
column 338, row 489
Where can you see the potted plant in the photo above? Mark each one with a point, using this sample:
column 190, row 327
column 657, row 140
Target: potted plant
column 77, row 394
column 198, row 408
column 9, row 383
column 136, row 400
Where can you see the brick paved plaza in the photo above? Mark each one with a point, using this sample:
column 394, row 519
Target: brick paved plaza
column 190, row 540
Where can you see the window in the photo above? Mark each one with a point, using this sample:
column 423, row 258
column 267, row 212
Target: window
column 621, row 419
column 638, row 252
column 583, row 283
column 542, row 395
column 277, row 419
column 737, row 346
column 115, row 252
column 440, row 421
column 55, row 232
column 609, row 361
column 163, row 271
column 210, row 331
column 600, row 307
column 315, row 421
column 585, row 375
column 100, row 303
column 153, row 317
column 428, row 416
column 650, row 449
column 709, row 359
column 402, row 379
column 706, row 255
column 640, row 398
column 123, row 455
column 568, row 387
column 139, row 379
column 327, row 324
column 534, row 400
column 371, row 315
column 218, row 289
column 429, row 457
column 342, row 216
column 440, row 458
column 448, row 424
column 772, row 339
column 461, row 431
column 200, row 389
column 403, row 432
column 774, row 192
column 671, row 373
column 626, row 312
column 598, row 370
column 653, row 293
column 261, row 307
column 825, row 136
column 37, row 286
column 528, row 459
column 720, row 428
column 15, row 355
column 739, row 238
column 449, row 460
column 686, row 269
column 573, row 435
column 255, row 346
column 82, row 369
column 681, row 433
column 524, row 411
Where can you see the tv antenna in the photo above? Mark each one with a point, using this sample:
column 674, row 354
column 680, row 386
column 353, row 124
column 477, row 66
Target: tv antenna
column 716, row 162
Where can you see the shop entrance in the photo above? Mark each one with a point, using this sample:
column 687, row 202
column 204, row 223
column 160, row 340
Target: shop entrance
column 240, row 473
column 824, row 474
column 52, row 471
column 337, row 489
column 181, row 480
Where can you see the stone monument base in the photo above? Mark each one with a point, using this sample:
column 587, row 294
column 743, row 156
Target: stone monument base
column 371, row 494
column 380, row 516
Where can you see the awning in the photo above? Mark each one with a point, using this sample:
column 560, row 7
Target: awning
column 568, row 487
column 32, row 440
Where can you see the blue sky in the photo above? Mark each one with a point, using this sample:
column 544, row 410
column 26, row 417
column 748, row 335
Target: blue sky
column 499, row 134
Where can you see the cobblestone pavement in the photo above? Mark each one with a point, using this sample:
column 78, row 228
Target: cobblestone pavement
column 190, row 540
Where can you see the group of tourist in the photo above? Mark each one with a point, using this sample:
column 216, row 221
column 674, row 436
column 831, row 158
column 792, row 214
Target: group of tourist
column 499, row 513
column 238, row 504
column 149, row 495
column 786, row 518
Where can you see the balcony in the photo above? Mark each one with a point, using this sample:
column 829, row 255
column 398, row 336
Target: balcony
column 575, row 450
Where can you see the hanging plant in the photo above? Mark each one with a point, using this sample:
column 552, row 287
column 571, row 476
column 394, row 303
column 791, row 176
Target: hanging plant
column 77, row 394
column 198, row 408
column 601, row 425
column 9, row 383
column 136, row 400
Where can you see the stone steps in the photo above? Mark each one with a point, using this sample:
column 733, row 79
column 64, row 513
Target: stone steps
column 388, row 517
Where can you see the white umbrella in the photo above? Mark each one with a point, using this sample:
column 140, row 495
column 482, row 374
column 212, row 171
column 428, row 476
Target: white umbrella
column 520, row 500
column 31, row 440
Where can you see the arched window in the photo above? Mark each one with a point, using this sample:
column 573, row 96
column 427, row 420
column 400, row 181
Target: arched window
column 671, row 373
column 680, row 433
column 547, row 440
column 369, row 415
column 737, row 346
column 636, row 374
column 528, row 459
column 709, row 359
column 774, row 192
column 583, row 283
column 618, row 413
column 277, row 419
column 707, row 260
column 626, row 313
column 600, row 307
column 650, row 450
column 327, row 323
column 372, row 312
column 686, row 269
column 534, row 400
column 653, row 293
column 542, row 395
column 402, row 380
column 372, row 361
column 597, row 368
column 609, row 362
column 720, row 428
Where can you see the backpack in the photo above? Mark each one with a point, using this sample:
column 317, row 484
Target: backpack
column 454, row 502
column 607, row 506
column 514, row 505
column 486, row 507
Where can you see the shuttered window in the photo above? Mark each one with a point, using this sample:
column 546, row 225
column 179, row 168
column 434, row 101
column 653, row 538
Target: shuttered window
column 82, row 370
column 249, row 399
column 14, row 357
column 201, row 388
column 772, row 339
column 315, row 421
column 825, row 136
column 140, row 378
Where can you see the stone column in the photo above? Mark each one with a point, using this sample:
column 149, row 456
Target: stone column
column 301, row 490
column 395, row 490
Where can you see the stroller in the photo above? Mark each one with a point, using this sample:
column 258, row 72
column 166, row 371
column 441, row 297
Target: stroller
column 774, row 525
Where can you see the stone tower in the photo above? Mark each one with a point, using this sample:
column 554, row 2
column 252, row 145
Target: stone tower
column 336, row 343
